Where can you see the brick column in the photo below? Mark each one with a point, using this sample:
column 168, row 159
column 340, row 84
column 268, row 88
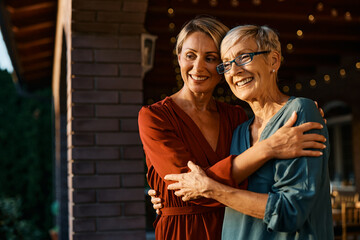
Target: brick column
column 106, row 166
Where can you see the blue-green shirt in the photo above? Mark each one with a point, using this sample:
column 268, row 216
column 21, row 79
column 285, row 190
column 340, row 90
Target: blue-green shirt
column 299, row 205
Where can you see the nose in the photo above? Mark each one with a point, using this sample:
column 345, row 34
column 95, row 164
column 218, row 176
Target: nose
column 199, row 64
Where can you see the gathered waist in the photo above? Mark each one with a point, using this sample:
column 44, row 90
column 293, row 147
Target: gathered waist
column 168, row 211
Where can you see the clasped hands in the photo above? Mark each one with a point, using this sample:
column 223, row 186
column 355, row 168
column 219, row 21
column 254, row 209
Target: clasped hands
column 190, row 185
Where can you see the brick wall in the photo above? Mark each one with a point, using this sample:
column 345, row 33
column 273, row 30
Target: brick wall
column 106, row 168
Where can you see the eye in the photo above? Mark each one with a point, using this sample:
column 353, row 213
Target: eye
column 190, row 56
column 226, row 65
column 212, row 59
column 244, row 57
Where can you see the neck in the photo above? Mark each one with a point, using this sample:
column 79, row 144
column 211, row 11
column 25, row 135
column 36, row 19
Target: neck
column 266, row 107
column 194, row 101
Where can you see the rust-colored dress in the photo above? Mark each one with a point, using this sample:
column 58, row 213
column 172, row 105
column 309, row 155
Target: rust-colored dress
column 170, row 139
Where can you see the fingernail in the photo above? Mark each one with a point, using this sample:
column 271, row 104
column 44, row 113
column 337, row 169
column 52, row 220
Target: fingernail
column 321, row 153
column 322, row 126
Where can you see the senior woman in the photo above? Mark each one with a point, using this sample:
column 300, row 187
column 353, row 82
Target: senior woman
column 191, row 125
column 285, row 199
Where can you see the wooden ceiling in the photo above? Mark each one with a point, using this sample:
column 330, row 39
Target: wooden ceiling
column 325, row 47
column 28, row 27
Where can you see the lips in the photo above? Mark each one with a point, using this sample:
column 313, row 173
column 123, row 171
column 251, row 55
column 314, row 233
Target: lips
column 244, row 81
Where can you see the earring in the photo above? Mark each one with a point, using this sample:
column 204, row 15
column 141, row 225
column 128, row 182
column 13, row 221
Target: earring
column 273, row 70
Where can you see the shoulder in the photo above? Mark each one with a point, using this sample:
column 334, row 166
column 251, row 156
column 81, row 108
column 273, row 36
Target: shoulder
column 305, row 109
column 302, row 103
column 154, row 112
column 303, row 106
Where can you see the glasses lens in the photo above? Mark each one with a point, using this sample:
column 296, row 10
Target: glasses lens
column 243, row 59
column 220, row 68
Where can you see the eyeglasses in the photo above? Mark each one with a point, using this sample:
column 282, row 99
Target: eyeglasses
column 239, row 61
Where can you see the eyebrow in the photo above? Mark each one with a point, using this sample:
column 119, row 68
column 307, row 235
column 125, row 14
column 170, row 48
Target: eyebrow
column 216, row 52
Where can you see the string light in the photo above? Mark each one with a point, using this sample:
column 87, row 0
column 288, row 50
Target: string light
column 311, row 18
column 327, row 78
column 348, row 16
column 342, row 72
column 320, row 6
column 170, row 11
column 256, row 2
column 289, row 47
column 213, row 3
column 234, row 3
column 312, row 83
column 171, row 26
column 300, row 33
column 229, row 97
column 334, row 12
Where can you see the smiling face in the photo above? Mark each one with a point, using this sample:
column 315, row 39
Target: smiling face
column 254, row 80
column 198, row 59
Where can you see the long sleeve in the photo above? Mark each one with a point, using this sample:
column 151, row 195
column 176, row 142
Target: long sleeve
column 165, row 149
column 299, row 184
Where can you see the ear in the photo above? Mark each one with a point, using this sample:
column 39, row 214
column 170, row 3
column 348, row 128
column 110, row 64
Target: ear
column 275, row 60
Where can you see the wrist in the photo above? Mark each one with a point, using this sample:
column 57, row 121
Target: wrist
column 208, row 190
column 266, row 149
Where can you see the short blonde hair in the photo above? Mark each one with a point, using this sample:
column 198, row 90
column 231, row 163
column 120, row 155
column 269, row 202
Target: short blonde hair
column 265, row 38
column 208, row 25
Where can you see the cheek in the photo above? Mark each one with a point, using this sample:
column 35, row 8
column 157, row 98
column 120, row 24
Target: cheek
column 228, row 79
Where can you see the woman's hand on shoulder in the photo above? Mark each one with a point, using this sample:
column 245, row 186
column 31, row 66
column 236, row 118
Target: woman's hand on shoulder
column 321, row 111
column 290, row 142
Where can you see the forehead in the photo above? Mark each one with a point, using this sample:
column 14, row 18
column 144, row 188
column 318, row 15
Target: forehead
column 243, row 45
column 200, row 41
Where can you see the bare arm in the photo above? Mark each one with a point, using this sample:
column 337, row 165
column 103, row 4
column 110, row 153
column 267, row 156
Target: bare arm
column 287, row 142
column 197, row 184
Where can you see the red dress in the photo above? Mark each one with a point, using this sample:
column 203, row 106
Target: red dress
column 170, row 139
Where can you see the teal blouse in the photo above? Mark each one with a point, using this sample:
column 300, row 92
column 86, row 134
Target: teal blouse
column 299, row 205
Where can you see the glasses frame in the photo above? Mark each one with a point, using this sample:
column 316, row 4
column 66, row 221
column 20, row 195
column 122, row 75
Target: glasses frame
column 234, row 61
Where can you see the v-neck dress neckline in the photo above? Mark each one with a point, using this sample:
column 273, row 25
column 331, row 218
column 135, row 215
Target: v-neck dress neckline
column 196, row 128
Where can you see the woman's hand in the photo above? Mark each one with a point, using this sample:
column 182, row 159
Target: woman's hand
column 156, row 201
column 321, row 112
column 291, row 142
column 191, row 185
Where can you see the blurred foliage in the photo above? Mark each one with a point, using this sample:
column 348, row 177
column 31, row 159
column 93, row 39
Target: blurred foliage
column 26, row 162
column 12, row 226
